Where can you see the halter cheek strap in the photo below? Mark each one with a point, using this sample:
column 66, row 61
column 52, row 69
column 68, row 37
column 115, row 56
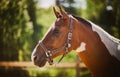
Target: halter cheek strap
column 47, row 53
column 66, row 46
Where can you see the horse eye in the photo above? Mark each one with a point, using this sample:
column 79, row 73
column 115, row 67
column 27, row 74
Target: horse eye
column 56, row 31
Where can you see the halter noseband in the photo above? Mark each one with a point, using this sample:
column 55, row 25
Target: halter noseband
column 66, row 46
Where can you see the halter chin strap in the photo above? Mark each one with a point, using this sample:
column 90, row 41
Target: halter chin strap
column 65, row 47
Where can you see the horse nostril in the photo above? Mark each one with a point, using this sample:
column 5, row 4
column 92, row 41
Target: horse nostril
column 34, row 58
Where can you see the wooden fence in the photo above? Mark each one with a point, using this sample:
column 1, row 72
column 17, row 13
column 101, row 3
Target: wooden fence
column 30, row 64
column 75, row 65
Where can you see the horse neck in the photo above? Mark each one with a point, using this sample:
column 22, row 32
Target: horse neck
column 82, row 33
column 95, row 51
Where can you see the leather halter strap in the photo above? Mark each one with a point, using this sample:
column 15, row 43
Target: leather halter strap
column 65, row 47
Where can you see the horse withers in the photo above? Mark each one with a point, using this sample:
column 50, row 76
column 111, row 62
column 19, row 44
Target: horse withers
column 98, row 50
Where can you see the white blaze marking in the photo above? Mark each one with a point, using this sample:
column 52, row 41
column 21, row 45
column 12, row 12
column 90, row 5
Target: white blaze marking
column 119, row 47
column 111, row 43
column 33, row 54
column 82, row 47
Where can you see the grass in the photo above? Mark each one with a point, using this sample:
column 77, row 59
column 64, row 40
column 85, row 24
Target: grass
column 52, row 72
column 57, row 72
column 43, row 72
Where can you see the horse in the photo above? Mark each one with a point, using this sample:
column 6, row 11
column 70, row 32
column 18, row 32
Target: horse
column 99, row 51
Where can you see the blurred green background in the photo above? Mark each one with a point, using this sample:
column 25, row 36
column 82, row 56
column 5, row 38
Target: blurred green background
column 24, row 22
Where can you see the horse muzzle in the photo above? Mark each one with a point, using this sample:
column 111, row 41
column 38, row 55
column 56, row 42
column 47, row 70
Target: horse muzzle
column 38, row 58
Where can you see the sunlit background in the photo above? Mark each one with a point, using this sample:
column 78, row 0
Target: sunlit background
column 24, row 22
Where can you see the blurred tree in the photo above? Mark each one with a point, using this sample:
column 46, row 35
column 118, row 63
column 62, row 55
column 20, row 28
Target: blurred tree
column 17, row 29
column 10, row 28
column 68, row 5
column 57, row 2
column 106, row 13
column 116, row 8
column 31, row 8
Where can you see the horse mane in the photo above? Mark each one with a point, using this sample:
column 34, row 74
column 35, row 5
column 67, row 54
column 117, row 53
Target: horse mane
column 83, row 20
column 90, row 24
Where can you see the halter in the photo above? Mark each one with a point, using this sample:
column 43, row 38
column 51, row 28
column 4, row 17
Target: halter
column 65, row 47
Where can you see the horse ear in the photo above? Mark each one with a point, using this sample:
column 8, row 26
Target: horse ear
column 63, row 13
column 57, row 14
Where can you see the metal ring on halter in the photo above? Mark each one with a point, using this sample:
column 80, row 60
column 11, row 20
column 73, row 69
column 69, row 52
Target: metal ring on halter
column 65, row 47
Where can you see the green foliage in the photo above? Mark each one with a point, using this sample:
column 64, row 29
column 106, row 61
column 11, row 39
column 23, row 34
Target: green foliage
column 70, row 57
column 106, row 14
column 10, row 28
column 45, row 17
column 16, row 30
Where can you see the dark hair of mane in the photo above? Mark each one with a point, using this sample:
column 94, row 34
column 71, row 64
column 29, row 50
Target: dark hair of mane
column 82, row 20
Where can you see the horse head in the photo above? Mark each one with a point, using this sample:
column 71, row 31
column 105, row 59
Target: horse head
column 57, row 40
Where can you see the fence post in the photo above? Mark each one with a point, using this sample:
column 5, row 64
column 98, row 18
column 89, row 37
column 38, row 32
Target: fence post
column 77, row 66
